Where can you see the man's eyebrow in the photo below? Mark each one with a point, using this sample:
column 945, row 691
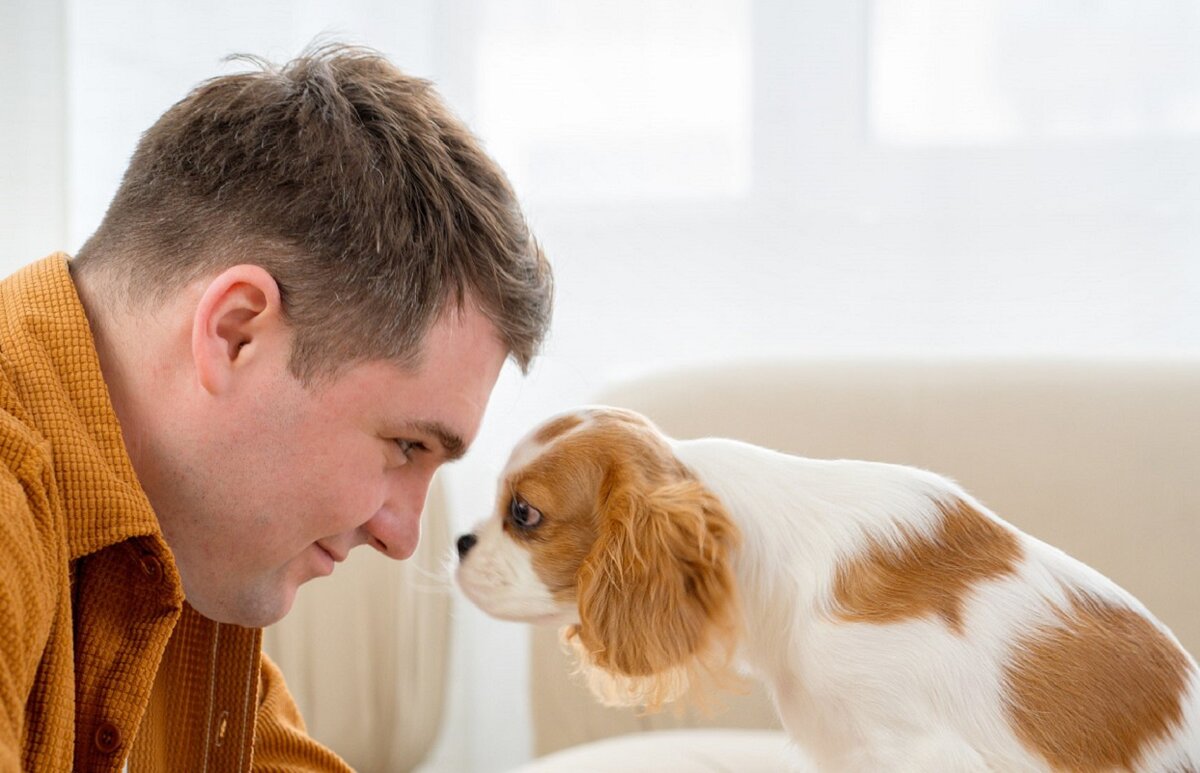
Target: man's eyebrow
column 451, row 442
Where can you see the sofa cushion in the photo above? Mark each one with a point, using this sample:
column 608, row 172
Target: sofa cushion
column 676, row 751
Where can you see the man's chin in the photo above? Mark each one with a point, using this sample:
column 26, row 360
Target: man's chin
column 248, row 610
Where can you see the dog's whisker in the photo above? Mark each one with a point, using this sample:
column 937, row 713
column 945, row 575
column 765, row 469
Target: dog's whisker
column 432, row 590
column 439, row 575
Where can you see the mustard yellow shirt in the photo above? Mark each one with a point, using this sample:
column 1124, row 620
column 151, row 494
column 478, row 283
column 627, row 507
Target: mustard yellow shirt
column 102, row 661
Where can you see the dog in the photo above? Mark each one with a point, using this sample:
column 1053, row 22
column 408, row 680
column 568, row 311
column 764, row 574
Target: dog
column 897, row 623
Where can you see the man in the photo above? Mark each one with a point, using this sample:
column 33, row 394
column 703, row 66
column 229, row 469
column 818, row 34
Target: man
column 294, row 310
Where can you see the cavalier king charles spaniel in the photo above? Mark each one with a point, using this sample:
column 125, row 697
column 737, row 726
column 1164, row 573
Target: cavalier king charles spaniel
column 896, row 621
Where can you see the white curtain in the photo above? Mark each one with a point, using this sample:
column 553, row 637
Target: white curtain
column 712, row 179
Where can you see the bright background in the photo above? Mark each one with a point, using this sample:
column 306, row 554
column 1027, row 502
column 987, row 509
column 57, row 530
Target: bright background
column 712, row 179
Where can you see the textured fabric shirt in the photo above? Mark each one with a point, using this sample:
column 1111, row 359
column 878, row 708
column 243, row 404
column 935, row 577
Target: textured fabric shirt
column 102, row 661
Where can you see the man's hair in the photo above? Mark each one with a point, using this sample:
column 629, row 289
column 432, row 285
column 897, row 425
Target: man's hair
column 369, row 202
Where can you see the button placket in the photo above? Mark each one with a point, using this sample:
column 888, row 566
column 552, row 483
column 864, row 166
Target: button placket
column 151, row 568
column 107, row 738
column 146, row 615
column 222, row 727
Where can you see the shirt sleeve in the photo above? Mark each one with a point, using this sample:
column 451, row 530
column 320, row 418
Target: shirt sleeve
column 26, row 615
column 281, row 742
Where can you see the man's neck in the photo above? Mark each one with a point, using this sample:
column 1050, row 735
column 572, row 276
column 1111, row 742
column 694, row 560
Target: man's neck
column 125, row 349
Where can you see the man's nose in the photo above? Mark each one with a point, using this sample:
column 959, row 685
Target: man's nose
column 395, row 529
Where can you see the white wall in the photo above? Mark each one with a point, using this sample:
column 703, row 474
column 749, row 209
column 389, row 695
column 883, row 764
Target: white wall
column 716, row 178
column 33, row 207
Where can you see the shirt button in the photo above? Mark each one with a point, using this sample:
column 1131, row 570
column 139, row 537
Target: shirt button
column 152, row 568
column 107, row 738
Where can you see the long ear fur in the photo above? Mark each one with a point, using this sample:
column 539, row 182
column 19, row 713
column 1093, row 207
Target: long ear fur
column 657, row 596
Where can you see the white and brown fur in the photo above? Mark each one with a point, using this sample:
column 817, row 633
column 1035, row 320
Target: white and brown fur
column 897, row 622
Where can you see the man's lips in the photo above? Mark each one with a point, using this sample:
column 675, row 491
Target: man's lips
column 337, row 557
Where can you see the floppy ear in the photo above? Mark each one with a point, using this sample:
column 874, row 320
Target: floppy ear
column 656, row 594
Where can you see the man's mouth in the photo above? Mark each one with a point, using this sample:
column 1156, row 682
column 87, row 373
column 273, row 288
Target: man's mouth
column 337, row 557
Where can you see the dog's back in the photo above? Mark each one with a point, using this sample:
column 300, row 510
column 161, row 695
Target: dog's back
column 897, row 619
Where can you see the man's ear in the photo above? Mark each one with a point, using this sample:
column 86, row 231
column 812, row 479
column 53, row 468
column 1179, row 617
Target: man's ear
column 239, row 318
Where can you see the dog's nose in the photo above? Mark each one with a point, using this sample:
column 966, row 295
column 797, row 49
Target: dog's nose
column 465, row 543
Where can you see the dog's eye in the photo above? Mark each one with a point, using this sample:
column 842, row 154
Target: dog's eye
column 523, row 514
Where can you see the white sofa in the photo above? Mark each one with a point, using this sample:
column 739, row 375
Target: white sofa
column 1099, row 458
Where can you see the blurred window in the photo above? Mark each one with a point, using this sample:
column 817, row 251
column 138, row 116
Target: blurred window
column 997, row 71
column 617, row 99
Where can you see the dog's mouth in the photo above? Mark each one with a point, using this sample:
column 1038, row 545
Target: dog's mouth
column 499, row 600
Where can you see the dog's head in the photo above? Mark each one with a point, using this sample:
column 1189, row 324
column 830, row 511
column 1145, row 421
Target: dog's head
column 599, row 527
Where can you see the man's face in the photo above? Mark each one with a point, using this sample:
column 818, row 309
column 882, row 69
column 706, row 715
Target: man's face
column 287, row 480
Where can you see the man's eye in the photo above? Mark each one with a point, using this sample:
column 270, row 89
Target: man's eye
column 523, row 514
column 409, row 447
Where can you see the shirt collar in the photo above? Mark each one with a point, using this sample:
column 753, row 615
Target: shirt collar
column 55, row 371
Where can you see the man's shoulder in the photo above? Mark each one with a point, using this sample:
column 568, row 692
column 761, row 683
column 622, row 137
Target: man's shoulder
column 26, row 461
column 21, row 444
column 31, row 527
column 33, row 548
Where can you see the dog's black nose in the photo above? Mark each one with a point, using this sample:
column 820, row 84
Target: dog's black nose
column 465, row 543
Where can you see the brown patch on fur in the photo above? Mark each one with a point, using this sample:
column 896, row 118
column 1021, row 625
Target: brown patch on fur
column 641, row 546
column 928, row 575
column 1093, row 693
column 556, row 427
column 568, row 481
column 658, row 580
